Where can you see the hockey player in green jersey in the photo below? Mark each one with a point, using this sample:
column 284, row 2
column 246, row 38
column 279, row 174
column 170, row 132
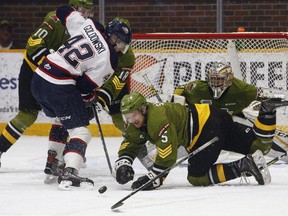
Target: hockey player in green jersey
column 47, row 38
column 221, row 90
column 226, row 92
column 169, row 125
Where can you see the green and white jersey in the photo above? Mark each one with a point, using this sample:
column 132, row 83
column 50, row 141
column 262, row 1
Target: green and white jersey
column 236, row 97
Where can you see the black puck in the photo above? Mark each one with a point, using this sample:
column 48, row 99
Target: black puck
column 102, row 189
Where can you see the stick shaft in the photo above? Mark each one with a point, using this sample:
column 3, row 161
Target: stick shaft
column 154, row 91
column 119, row 203
column 102, row 139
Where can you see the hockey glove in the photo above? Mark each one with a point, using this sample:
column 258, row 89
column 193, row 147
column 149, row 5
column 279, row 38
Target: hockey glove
column 92, row 99
column 124, row 170
column 144, row 179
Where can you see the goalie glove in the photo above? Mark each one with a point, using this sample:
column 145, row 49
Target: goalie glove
column 144, row 179
column 124, row 170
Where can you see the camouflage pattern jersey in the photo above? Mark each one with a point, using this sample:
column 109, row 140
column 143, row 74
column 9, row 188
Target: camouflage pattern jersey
column 50, row 35
column 236, row 97
column 167, row 127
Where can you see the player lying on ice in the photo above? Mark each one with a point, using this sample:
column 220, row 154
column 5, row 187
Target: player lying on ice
column 169, row 125
column 222, row 90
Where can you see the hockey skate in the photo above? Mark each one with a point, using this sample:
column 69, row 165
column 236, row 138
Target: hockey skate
column 260, row 161
column 270, row 105
column 246, row 167
column 53, row 168
column 69, row 179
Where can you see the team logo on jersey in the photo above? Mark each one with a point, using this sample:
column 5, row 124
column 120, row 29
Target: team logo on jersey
column 190, row 86
column 163, row 129
column 105, row 78
column 47, row 66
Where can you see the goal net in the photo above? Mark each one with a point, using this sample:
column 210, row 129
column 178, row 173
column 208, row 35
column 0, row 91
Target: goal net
column 169, row 60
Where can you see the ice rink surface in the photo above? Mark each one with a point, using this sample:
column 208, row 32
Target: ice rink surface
column 23, row 192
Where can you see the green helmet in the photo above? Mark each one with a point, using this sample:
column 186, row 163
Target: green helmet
column 81, row 3
column 126, row 21
column 131, row 102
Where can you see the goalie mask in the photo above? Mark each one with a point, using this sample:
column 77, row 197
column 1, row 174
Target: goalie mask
column 220, row 77
column 123, row 33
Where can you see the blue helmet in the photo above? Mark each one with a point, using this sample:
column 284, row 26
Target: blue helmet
column 120, row 29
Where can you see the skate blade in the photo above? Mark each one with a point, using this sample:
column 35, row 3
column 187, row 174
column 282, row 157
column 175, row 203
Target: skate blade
column 67, row 186
column 262, row 165
column 50, row 179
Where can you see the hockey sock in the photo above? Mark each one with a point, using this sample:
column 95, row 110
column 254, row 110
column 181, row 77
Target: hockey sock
column 9, row 136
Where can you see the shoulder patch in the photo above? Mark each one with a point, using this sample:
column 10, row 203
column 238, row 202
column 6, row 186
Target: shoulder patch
column 54, row 17
column 163, row 129
column 190, row 86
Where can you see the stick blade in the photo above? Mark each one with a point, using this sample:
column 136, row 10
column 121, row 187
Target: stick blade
column 117, row 205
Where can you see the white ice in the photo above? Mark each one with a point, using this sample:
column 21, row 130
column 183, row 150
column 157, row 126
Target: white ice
column 23, row 192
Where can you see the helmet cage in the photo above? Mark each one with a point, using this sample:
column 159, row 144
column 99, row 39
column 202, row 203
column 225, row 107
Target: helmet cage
column 219, row 79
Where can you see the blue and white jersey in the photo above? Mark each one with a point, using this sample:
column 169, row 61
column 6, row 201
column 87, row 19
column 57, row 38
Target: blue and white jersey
column 86, row 55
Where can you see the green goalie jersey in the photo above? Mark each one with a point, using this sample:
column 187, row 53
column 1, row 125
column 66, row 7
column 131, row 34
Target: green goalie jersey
column 167, row 128
column 235, row 98
column 48, row 37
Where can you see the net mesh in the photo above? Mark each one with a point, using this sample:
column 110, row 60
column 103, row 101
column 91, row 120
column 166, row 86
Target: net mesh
column 169, row 60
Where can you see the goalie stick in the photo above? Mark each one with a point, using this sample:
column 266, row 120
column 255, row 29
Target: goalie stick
column 120, row 202
column 102, row 139
column 153, row 90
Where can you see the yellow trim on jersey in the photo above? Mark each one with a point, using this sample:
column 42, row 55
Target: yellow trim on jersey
column 163, row 153
column 31, row 65
column 220, row 173
column 123, row 146
column 41, row 60
column 8, row 136
column 203, row 111
column 33, row 42
column 264, row 127
column 100, row 98
column 117, row 83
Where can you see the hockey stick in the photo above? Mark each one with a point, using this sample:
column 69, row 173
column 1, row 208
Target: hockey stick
column 154, row 91
column 274, row 160
column 102, row 138
column 120, row 202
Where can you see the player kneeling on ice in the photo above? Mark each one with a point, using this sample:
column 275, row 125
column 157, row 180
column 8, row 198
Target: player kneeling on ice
column 169, row 125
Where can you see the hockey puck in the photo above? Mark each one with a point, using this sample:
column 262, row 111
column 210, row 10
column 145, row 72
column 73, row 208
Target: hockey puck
column 102, row 189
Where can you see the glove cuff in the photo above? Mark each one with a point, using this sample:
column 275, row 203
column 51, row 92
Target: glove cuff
column 123, row 160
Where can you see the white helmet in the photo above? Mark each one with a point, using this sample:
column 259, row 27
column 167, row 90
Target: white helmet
column 220, row 77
